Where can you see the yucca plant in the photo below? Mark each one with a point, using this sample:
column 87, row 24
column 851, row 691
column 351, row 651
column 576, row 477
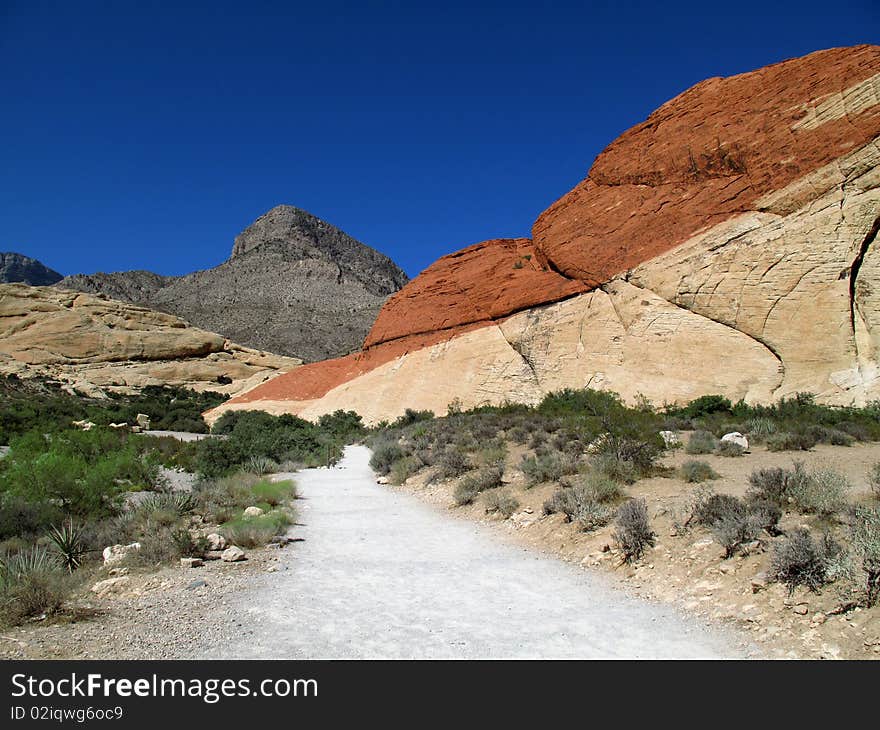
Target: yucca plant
column 68, row 541
column 19, row 566
column 179, row 502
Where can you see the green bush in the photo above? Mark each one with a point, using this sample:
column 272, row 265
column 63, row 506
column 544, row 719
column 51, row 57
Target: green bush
column 693, row 471
column 706, row 405
column 248, row 532
column 83, row 473
column 588, row 501
column 274, row 493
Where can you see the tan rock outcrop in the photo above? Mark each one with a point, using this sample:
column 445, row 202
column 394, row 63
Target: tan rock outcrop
column 95, row 344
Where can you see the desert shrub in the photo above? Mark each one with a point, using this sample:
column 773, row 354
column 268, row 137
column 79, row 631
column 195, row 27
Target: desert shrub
column 627, row 457
column 828, row 435
column 694, row 470
column 874, row 480
column 857, row 430
column 163, row 543
column 736, row 529
column 800, row 561
column 865, row 539
column 787, row 441
column 342, row 425
column 729, row 448
column 255, row 531
column 766, row 512
column 539, row 438
column 451, row 463
column 518, row 434
column 710, row 508
column 701, row 442
column 502, row 502
column 32, row 583
column 474, row 483
column 822, row 492
column 772, row 484
column 384, row 455
column 632, row 533
column 588, row 500
column 547, row 467
column 404, row 468
column 494, row 454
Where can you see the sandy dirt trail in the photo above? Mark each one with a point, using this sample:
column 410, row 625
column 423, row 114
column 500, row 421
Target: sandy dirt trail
column 379, row 574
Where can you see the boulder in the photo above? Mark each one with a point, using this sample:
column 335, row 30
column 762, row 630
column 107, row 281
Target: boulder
column 143, row 420
column 191, row 563
column 215, row 541
column 117, row 553
column 253, row 511
column 233, row 554
column 735, row 437
column 382, row 480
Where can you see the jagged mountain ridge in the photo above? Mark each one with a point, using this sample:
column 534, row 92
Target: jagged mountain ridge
column 294, row 285
column 17, row 268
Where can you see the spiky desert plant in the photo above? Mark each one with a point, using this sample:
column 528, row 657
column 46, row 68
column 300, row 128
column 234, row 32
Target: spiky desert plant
column 68, row 541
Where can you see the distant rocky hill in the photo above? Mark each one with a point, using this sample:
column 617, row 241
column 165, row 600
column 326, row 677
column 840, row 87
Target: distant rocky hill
column 294, row 285
column 727, row 244
column 18, row 268
column 97, row 346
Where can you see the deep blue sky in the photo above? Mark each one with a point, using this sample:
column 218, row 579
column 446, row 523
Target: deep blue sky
column 147, row 135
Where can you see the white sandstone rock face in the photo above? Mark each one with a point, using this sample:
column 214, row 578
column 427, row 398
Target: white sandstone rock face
column 623, row 339
column 117, row 553
column 782, row 275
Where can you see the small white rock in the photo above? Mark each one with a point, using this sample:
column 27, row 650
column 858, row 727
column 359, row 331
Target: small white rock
column 253, row 512
column 233, row 554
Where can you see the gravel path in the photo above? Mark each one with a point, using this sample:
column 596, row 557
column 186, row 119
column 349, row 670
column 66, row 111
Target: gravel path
column 379, row 574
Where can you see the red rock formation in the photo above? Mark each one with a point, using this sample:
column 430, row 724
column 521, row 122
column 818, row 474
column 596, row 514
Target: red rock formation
column 480, row 283
column 707, row 155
